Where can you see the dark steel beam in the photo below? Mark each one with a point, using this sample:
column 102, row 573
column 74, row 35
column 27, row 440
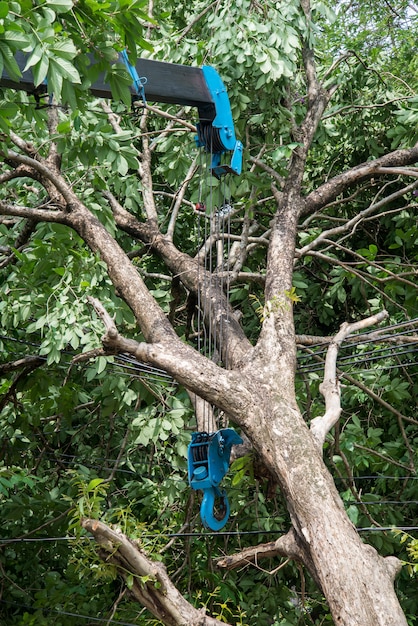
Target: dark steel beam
column 165, row 82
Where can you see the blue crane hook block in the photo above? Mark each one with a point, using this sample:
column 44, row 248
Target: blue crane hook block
column 208, row 463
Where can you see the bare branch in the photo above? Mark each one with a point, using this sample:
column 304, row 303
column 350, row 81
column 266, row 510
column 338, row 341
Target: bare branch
column 352, row 223
column 205, row 417
column 361, row 275
column 151, row 585
column 378, row 399
column 173, row 118
column 27, row 148
column 272, row 172
column 145, row 171
column 179, row 199
column 385, row 457
column 42, row 215
column 330, row 387
column 390, row 275
column 196, row 20
column 398, row 171
column 349, row 109
column 114, row 119
column 54, row 157
column 335, row 186
column 285, row 546
column 314, row 340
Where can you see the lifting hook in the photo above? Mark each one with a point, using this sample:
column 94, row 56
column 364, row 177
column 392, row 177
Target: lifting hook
column 208, row 463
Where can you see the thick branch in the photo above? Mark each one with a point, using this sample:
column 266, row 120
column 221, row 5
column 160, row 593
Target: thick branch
column 151, row 584
column 330, row 387
column 198, row 374
column 286, row 546
column 29, row 362
column 334, row 187
column 194, row 278
column 146, row 173
column 54, row 157
column 42, row 215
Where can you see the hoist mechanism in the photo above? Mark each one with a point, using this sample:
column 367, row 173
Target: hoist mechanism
column 170, row 83
column 155, row 81
column 208, row 463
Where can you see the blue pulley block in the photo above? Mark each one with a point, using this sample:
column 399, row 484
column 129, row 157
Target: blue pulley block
column 208, row 463
column 217, row 136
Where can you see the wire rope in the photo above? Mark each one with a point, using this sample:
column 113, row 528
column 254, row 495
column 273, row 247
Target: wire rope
column 377, row 354
column 69, row 614
column 225, row 533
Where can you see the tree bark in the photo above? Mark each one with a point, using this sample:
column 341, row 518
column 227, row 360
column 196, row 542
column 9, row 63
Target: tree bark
column 148, row 580
column 356, row 581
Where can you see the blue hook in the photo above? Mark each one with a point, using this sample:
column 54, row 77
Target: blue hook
column 214, row 518
column 208, row 462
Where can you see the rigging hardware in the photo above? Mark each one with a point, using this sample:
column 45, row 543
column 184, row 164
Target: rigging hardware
column 210, row 448
column 218, row 135
column 208, row 463
column 200, row 207
column 138, row 82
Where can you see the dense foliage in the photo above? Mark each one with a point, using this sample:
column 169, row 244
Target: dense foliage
column 105, row 437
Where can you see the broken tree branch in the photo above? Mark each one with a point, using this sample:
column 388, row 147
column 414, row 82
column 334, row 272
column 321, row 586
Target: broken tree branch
column 148, row 579
column 330, row 387
column 285, row 546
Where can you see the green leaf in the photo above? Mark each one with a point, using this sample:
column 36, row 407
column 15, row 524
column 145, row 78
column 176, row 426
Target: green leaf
column 94, row 483
column 101, row 364
column 64, row 127
column 60, row 6
column 17, row 38
column 40, row 70
column 34, row 58
column 4, row 9
column 353, row 513
column 66, row 69
column 9, row 62
column 64, row 48
column 129, row 581
column 120, row 84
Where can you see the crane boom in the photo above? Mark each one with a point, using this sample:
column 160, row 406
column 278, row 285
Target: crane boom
column 169, row 83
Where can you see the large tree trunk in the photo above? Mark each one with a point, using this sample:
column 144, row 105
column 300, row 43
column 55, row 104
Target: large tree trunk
column 356, row 581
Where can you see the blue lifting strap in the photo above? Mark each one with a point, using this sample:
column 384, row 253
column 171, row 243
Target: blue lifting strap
column 208, row 463
column 137, row 81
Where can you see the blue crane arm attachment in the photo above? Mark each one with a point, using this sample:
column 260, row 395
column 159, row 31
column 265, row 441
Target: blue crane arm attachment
column 169, row 83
